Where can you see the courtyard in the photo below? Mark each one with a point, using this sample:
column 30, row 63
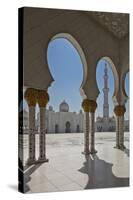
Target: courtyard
column 69, row 169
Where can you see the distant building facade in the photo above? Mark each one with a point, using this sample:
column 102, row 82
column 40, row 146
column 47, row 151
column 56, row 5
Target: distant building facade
column 63, row 121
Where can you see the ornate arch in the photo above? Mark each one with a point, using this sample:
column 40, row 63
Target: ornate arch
column 115, row 74
column 80, row 51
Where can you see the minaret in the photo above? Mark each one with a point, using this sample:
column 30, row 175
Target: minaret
column 105, row 91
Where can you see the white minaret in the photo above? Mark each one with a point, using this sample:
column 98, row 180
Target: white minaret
column 105, row 91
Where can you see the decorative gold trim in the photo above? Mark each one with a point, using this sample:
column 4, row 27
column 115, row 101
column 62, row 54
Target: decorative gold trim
column 89, row 105
column 119, row 110
column 42, row 98
column 31, row 96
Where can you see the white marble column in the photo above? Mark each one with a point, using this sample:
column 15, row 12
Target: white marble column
column 31, row 159
column 42, row 136
column 89, row 107
column 86, row 126
column 119, row 111
column 43, row 99
column 86, row 134
column 121, row 130
column 30, row 96
column 117, row 133
column 92, row 133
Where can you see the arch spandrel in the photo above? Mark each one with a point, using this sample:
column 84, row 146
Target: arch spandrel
column 90, row 87
column 39, row 78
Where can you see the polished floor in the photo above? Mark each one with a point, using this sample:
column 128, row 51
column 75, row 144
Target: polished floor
column 68, row 169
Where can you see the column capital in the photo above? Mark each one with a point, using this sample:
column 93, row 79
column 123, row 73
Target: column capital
column 89, row 105
column 119, row 110
column 31, row 96
column 42, row 98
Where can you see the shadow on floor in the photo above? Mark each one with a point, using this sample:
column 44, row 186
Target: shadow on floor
column 100, row 174
column 127, row 152
column 25, row 177
column 13, row 187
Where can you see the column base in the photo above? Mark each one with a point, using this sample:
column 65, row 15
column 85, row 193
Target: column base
column 42, row 160
column 31, row 162
column 122, row 147
column 117, row 146
column 93, row 151
column 86, row 152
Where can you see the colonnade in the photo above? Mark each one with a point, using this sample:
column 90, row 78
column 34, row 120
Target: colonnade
column 89, row 107
column 34, row 96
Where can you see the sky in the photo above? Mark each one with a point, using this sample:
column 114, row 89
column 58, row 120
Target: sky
column 66, row 68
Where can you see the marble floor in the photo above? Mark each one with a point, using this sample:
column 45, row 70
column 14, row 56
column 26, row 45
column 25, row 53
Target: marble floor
column 69, row 169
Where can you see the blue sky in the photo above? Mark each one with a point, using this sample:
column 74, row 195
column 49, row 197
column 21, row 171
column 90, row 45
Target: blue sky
column 66, row 68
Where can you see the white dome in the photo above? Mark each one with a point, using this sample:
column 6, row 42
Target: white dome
column 99, row 119
column 64, row 107
column 50, row 108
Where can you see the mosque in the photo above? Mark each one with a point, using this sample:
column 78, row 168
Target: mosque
column 65, row 121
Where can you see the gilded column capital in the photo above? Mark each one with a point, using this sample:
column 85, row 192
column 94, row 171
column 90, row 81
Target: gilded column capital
column 119, row 110
column 31, row 96
column 42, row 98
column 89, row 105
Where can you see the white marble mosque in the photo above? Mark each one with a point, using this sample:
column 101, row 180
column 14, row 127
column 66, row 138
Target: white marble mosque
column 63, row 121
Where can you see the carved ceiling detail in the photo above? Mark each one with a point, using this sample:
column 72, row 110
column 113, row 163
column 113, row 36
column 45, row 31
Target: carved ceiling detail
column 116, row 23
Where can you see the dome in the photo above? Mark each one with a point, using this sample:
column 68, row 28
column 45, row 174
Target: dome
column 50, row 108
column 99, row 119
column 64, row 107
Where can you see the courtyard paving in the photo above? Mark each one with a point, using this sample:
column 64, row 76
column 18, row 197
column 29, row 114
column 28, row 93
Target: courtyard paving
column 68, row 169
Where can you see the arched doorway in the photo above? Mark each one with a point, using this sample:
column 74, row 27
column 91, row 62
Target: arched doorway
column 68, row 127
column 78, row 128
column 56, row 128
